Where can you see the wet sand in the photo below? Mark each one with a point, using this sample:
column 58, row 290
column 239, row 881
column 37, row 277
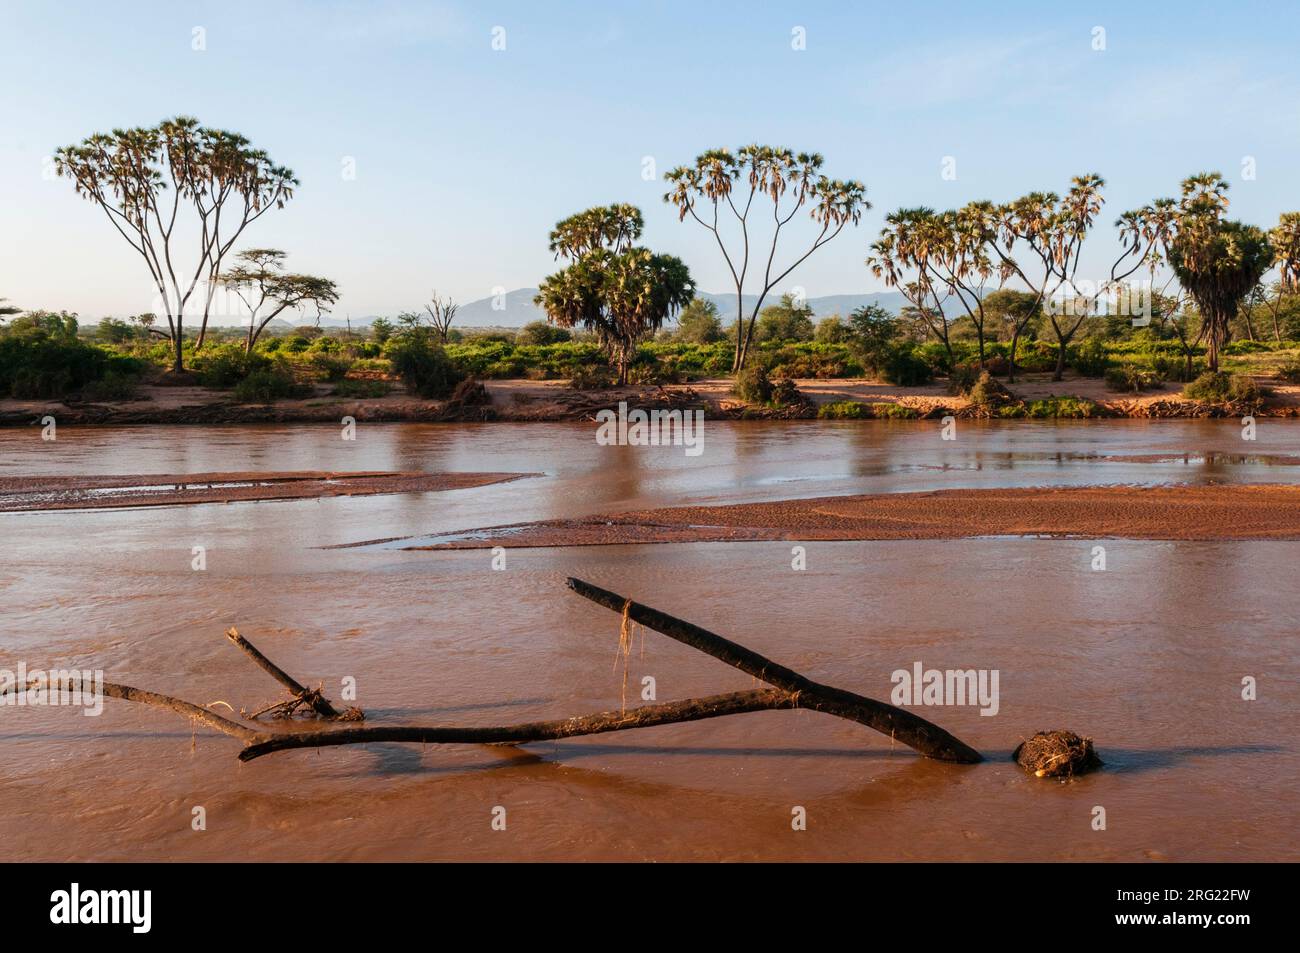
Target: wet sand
column 1213, row 512
column 37, row 493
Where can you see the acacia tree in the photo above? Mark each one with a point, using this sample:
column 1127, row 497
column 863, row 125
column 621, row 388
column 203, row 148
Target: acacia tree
column 722, row 180
column 620, row 291
column 267, row 291
column 1218, row 262
column 7, row 310
column 144, row 179
column 442, row 311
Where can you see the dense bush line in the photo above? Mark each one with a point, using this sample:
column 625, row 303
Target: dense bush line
column 47, row 355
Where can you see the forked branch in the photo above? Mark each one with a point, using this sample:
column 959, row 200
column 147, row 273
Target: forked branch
column 789, row 690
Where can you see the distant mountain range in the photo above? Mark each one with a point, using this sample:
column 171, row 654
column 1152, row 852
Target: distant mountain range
column 516, row 308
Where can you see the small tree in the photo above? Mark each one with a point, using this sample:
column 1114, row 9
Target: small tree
column 267, row 291
column 786, row 321
column 1010, row 311
column 720, row 181
column 381, row 329
column 442, row 311
column 541, row 333
column 875, row 332
column 699, row 323
column 217, row 175
column 621, row 292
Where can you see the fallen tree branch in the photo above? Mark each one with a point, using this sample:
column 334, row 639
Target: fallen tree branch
column 693, row 709
column 312, row 698
column 927, row 738
column 790, row 690
column 154, row 700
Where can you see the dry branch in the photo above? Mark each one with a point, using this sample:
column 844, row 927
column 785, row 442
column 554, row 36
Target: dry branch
column 312, row 698
column 929, row 739
column 165, row 702
column 692, row 709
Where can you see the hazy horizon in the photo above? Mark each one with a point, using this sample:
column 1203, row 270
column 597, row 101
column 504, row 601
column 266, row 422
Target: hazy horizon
column 465, row 156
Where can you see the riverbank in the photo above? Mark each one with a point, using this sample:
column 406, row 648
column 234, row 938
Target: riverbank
column 548, row 401
column 1206, row 513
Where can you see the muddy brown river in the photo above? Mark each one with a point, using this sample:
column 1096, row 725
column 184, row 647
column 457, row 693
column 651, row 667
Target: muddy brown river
column 1147, row 657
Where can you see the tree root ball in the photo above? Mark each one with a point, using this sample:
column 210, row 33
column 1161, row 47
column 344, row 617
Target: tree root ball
column 1056, row 754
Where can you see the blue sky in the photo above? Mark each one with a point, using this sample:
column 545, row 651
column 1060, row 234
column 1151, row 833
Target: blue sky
column 466, row 156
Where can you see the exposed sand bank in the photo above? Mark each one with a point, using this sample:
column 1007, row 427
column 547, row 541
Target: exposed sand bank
column 34, row 493
column 1165, row 513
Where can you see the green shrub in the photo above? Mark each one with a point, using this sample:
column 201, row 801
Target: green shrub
column 962, row 378
column 1055, row 408
column 598, row 377
column 936, row 355
column 904, row 369
column 330, row 366
column 41, row 357
column 1174, row 368
column 112, row 386
column 753, row 385
column 542, row 332
column 894, row 412
column 269, row 384
column 1289, row 372
column 225, row 365
column 1247, row 347
column 372, row 365
column 1127, row 377
column 349, row 387
column 806, row 360
column 988, row 393
column 1034, row 357
column 424, row 366
column 785, row 393
column 1222, row 388
column 844, row 410
column 1090, row 358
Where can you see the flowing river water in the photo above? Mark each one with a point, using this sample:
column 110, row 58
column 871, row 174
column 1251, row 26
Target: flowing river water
column 1146, row 657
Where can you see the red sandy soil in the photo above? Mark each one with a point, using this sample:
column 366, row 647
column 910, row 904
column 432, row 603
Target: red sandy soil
column 23, row 494
column 1222, row 512
column 526, row 400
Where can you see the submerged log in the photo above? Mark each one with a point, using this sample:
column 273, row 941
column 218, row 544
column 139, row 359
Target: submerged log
column 914, row 731
column 692, row 709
